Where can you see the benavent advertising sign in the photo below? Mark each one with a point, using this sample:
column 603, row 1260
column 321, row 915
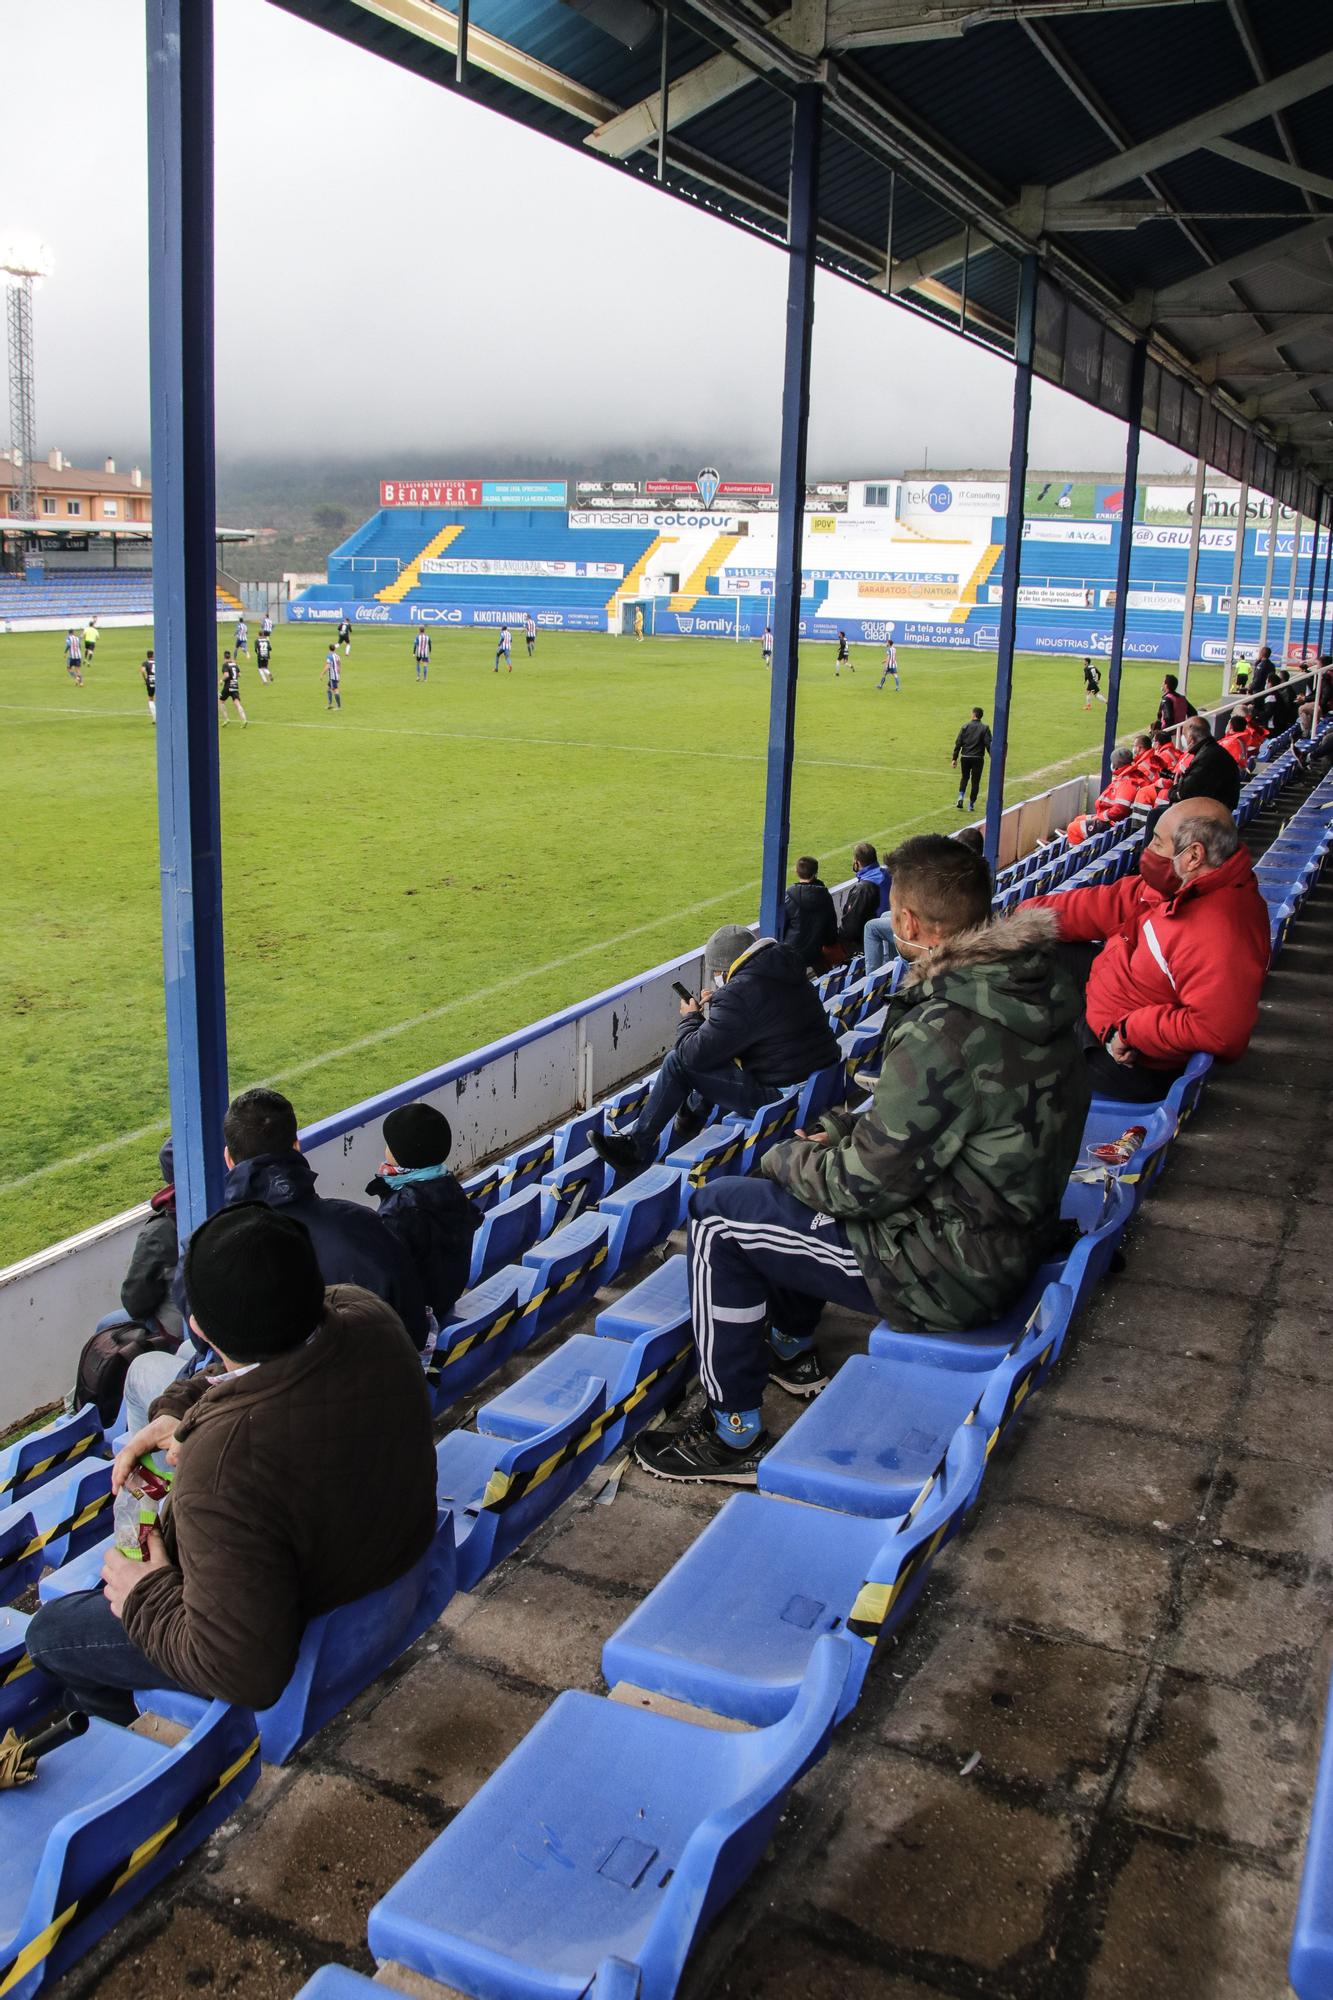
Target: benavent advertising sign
column 473, row 493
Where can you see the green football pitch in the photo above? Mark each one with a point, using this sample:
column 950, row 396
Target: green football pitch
column 430, row 867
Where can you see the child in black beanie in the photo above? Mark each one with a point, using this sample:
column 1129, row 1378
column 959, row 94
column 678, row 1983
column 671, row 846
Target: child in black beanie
column 423, row 1205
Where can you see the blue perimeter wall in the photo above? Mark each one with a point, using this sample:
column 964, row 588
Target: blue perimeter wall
column 979, row 634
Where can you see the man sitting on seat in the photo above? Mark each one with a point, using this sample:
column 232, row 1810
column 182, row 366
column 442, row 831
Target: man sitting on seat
column 934, row 1206
column 757, row 1026
column 265, row 1163
column 809, row 919
column 1185, row 948
column 305, row 1478
column 1210, row 773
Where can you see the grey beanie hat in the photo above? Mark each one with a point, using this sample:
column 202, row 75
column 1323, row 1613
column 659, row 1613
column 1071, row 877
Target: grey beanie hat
column 725, row 947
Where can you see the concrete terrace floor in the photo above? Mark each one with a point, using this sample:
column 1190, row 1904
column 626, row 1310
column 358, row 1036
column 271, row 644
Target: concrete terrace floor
column 1133, row 1636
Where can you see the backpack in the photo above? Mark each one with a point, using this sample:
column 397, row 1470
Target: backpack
column 105, row 1362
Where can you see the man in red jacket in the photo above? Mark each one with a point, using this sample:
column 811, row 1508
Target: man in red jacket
column 1185, row 948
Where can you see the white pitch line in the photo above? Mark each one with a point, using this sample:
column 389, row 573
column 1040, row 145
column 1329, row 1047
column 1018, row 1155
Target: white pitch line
column 485, row 737
column 379, row 1035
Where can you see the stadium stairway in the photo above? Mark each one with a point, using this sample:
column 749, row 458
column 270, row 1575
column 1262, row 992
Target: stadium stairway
column 421, row 1740
column 410, row 575
column 697, row 582
column 632, row 580
column 967, row 597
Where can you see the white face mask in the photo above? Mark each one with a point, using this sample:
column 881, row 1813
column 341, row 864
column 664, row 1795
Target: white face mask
column 719, row 979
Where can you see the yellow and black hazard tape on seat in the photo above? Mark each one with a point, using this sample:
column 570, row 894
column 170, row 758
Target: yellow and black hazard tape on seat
column 506, row 1489
column 715, row 1157
column 71, row 1524
column 1019, row 1391
column 16, row 1670
column 109, row 1884
column 44, row 1465
column 435, row 1368
column 597, row 1256
column 874, row 1601
column 543, row 1159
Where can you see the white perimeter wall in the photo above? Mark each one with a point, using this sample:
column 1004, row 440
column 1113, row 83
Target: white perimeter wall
column 494, row 1099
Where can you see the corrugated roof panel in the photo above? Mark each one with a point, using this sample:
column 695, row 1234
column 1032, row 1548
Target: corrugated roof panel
column 991, row 96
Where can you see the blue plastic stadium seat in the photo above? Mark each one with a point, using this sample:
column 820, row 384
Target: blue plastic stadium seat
column 717, row 1150
column 24, row 1690
column 660, row 1300
column 578, row 1184
column 56, row 1521
column 40, row 1455
column 568, row 1266
column 1310, row 1966
column 769, row 1124
column 883, row 1425
column 643, row 1214
column 342, row 1652
column 731, row 1628
column 819, row 1093
column 109, row 1815
column 506, row 1231
column 1180, row 1099
column 638, row 1376
column 525, row 1167
column 984, row 1346
column 81, row 1572
column 483, row 1188
column 574, row 1137
column 1106, row 1125
column 624, row 1107
column 609, row 1834
column 483, row 1333
column 339, row 1982
column 498, row 1491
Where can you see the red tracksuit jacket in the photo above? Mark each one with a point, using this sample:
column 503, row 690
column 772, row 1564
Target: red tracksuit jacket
column 1177, row 976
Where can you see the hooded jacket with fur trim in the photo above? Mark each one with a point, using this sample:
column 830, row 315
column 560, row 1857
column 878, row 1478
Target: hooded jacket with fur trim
column 950, row 1184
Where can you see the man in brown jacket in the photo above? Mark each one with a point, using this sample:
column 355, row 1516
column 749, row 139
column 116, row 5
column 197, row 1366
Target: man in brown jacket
column 305, row 1478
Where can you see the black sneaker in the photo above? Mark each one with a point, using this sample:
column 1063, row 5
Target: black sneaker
column 618, row 1150
column 689, row 1124
column 801, row 1375
column 697, row 1455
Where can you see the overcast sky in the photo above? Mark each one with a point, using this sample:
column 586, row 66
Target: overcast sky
column 399, row 269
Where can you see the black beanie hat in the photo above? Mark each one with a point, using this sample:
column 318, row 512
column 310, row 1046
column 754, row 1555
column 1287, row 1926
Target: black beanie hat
column 253, row 1282
column 418, row 1136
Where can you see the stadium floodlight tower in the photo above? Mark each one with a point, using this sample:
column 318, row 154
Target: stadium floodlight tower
column 23, row 263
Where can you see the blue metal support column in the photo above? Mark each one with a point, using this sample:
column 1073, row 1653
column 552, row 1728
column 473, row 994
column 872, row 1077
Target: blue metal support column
column 180, row 300
column 1328, row 561
column 802, row 224
column 1124, row 552
column 1013, row 553
column 1309, row 580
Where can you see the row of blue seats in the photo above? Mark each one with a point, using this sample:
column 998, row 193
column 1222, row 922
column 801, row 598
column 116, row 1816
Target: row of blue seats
column 64, row 1863
column 592, row 1859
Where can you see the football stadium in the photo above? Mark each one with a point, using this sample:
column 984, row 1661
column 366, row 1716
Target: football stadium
column 668, row 1136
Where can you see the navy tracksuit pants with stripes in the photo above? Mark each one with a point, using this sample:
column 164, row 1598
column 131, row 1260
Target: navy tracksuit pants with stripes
column 759, row 1257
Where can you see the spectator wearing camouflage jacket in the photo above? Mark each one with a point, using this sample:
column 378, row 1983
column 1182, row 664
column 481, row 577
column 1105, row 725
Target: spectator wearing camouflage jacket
column 934, row 1206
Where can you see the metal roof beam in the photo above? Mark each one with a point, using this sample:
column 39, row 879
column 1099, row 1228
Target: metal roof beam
column 873, row 24
column 1302, row 385
column 1193, row 133
column 498, row 58
column 1196, row 289
column 1294, row 326
column 1277, row 170
column 711, row 83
